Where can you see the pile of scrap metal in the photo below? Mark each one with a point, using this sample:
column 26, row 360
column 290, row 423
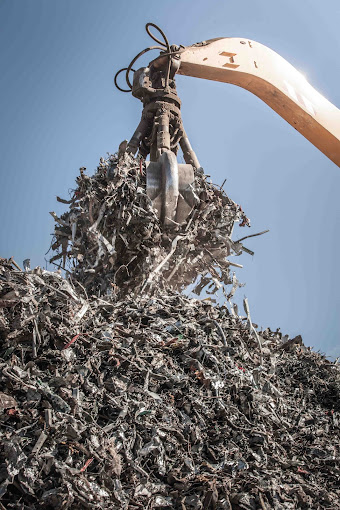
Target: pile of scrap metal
column 113, row 242
column 155, row 401
column 120, row 392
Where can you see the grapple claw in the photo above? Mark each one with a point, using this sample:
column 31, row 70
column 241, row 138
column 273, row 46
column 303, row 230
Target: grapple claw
column 169, row 186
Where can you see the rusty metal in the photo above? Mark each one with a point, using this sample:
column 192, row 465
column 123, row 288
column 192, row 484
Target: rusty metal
column 159, row 134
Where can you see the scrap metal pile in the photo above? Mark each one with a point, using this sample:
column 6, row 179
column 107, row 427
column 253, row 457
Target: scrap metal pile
column 114, row 242
column 119, row 392
column 157, row 402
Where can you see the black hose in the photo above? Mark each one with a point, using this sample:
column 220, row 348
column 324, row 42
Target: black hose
column 167, row 54
column 128, row 69
column 165, row 43
column 115, row 80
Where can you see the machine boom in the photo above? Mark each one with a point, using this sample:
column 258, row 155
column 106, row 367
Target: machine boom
column 266, row 74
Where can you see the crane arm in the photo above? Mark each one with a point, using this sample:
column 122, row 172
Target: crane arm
column 266, row 74
column 242, row 62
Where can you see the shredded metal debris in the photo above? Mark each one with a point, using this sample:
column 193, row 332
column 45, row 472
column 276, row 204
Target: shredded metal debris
column 120, row 392
column 114, row 243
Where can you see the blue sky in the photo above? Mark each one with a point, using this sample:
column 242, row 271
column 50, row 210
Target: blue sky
column 60, row 111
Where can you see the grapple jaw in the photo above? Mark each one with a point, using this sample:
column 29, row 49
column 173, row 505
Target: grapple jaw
column 170, row 188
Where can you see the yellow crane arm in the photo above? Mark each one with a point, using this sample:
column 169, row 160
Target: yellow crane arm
column 266, row 74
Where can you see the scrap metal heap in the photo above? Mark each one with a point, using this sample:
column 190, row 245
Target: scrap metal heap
column 157, row 402
column 120, row 392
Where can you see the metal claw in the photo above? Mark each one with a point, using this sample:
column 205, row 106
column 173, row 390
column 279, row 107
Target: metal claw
column 168, row 185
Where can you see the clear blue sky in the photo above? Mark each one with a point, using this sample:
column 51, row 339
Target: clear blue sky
column 60, row 111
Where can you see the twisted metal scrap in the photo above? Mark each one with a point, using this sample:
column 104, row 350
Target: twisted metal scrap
column 112, row 241
column 162, row 402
